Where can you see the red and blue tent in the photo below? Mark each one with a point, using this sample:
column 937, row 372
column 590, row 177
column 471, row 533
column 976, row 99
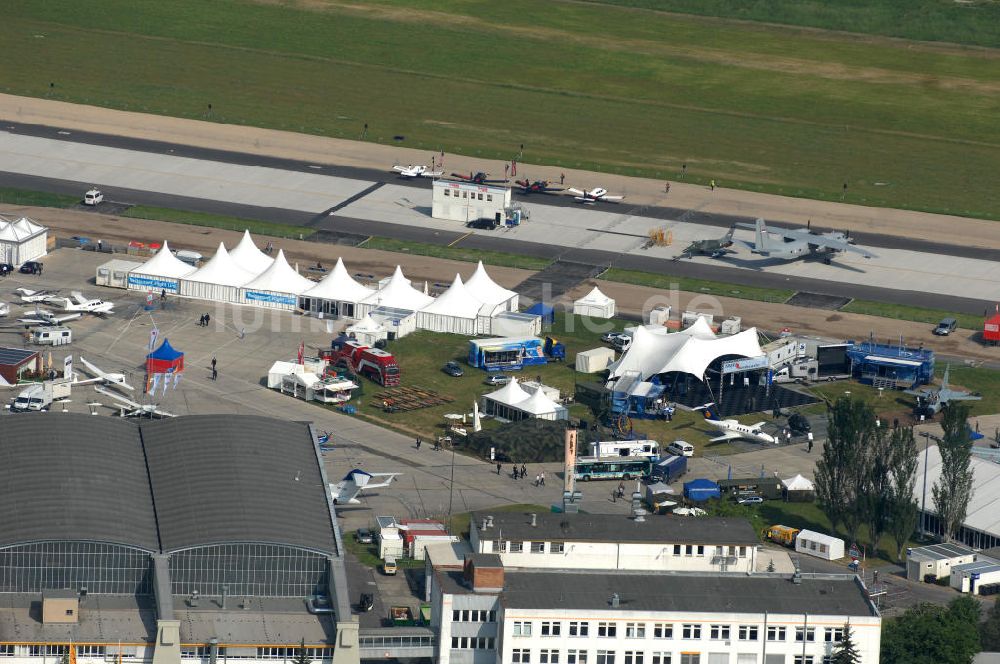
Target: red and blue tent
column 165, row 360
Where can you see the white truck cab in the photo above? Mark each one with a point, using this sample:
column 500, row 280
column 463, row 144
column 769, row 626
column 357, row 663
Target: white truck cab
column 93, row 197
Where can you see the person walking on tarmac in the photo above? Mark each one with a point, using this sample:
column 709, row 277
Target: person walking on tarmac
column 499, row 467
column 524, row 470
column 418, row 443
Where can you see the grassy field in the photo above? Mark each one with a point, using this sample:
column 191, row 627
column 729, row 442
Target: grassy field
column 976, row 22
column 919, row 314
column 670, row 282
column 218, row 221
column 749, row 105
column 39, row 198
column 456, row 253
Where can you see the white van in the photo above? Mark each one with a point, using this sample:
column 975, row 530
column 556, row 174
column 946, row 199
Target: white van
column 93, row 197
column 680, row 448
column 389, row 566
column 56, row 335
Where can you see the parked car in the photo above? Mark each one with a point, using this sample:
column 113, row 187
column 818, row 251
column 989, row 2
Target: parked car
column 364, row 536
column 93, row 197
column 681, row 448
column 621, row 342
column 946, row 327
column 319, row 604
column 497, row 379
column 798, row 423
column 366, row 602
column 453, row 369
column 485, row 224
column 750, row 500
column 31, row 267
column 5, row 269
column 608, row 337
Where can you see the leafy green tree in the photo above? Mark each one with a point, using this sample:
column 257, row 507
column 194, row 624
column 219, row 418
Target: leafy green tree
column 952, row 491
column 901, row 509
column 989, row 629
column 876, row 478
column 846, row 651
column 841, row 472
column 933, row 634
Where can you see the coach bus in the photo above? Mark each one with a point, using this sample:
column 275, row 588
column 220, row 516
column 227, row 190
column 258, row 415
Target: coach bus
column 604, row 468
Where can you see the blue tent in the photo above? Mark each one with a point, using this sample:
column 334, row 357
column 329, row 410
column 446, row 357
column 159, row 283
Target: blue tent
column 546, row 311
column 701, row 489
column 165, row 359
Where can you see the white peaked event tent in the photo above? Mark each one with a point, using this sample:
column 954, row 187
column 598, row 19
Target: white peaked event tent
column 454, row 310
column 219, row 279
column 396, row 294
column 595, row 304
column 249, row 257
column 277, row 287
column 689, row 351
column 160, row 273
column 484, row 289
column 367, row 331
column 540, row 407
column 501, row 402
column 337, row 295
column 22, row 240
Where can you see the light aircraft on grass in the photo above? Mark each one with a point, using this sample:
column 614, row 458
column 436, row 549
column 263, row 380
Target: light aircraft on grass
column 80, row 303
column 100, row 376
column 733, row 430
column 130, row 408
column 347, row 489
column 411, row 171
column 595, row 195
column 792, row 243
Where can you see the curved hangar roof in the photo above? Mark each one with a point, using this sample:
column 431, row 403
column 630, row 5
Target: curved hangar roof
column 161, row 485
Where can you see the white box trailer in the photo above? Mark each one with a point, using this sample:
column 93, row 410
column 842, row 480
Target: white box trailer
column 114, row 273
column 819, row 545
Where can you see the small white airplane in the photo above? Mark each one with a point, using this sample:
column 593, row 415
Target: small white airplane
column 412, row 171
column 595, row 195
column 792, row 243
column 28, row 295
column 80, row 303
column 347, row 489
column 101, row 377
column 733, row 430
column 130, row 408
column 45, row 317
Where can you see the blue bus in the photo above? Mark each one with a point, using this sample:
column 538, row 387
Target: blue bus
column 614, row 468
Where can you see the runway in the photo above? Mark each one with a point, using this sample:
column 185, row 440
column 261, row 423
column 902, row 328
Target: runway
column 908, row 271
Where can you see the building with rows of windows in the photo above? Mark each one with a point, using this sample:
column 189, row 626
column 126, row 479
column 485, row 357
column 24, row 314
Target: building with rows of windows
column 609, row 541
column 485, row 614
column 187, row 538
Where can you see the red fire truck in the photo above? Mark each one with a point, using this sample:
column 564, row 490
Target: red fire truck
column 374, row 363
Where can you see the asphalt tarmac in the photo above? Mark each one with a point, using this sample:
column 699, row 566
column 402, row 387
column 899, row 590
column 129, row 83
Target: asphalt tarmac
column 330, row 221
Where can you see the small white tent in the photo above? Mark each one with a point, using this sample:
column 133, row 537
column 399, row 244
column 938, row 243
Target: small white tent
column 595, row 304
column 501, row 402
column 336, row 295
column 162, row 272
column 22, row 240
column 218, row 280
column 249, row 257
column 484, row 289
column 397, row 293
column 539, row 406
column 367, row 331
column 278, row 287
column 455, row 311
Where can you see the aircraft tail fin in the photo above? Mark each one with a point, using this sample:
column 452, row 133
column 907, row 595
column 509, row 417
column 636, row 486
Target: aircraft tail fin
column 729, row 235
column 708, row 410
column 944, row 379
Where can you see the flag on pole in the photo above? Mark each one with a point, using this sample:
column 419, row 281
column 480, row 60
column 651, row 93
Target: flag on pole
column 302, row 350
column 155, row 383
column 153, row 332
column 177, row 379
column 513, row 167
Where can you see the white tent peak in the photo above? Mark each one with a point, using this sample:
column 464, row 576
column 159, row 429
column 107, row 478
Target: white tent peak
column 700, row 328
column 537, row 404
column 798, row 483
column 399, row 294
column 221, row 270
column 595, row 296
column 510, row 394
column 280, row 278
column 165, row 264
column 456, row 301
column 483, row 288
column 366, row 324
column 339, row 285
column 249, row 257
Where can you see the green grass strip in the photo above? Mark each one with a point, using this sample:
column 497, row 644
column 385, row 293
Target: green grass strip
column 218, row 221
column 916, row 314
column 719, row 288
column 498, row 258
column 10, row 196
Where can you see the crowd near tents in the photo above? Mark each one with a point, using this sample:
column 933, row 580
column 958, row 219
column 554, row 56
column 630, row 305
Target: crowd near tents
column 248, row 276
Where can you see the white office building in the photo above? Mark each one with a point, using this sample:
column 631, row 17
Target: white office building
column 467, row 201
column 486, row 614
column 611, row 541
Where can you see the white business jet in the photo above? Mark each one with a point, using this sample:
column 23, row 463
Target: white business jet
column 347, row 489
column 733, row 430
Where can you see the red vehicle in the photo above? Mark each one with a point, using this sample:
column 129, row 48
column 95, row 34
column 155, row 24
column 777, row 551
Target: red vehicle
column 373, row 363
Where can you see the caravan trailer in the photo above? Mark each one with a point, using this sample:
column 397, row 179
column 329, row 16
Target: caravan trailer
column 56, row 335
column 626, row 448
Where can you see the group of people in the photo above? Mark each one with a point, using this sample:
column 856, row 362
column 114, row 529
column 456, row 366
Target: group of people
column 521, row 472
column 204, row 320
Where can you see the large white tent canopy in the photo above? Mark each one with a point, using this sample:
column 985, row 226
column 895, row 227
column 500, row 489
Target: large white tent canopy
column 397, row 294
column 249, row 257
column 337, row 294
column 690, row 351
column 219, row 279
column 513, row 402
column 22, row 240
column 160, row 273
column 278, row 287
column 455, row 310
column 482, row 287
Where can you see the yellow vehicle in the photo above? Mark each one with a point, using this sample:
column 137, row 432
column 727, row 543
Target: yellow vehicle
column 389, row 566
column 784, row 535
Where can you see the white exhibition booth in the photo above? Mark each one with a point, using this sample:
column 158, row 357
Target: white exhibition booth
column 512, row 402
column 595, row 304
column 162, row 272
column 22, row 240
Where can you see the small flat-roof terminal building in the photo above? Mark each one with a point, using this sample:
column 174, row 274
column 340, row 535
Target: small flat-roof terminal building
column 467, row 201
column 168, row 539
